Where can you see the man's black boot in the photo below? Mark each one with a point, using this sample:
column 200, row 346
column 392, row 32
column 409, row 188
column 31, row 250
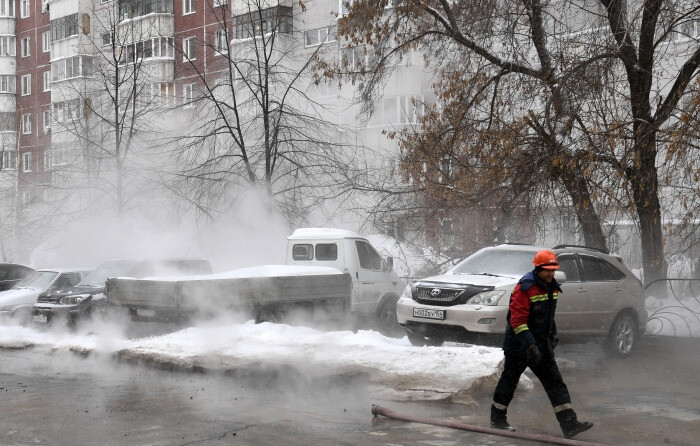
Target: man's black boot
column 570, row 425
column 498, row 419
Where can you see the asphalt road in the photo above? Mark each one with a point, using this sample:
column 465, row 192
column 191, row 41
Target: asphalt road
column 652, row 398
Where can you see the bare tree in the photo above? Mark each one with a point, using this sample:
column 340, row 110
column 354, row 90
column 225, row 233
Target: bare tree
column 261, row 121
column 546, row 63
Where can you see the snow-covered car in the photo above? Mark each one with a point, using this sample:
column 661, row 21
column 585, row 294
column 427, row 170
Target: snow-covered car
column 87, row 296
column 601, row 298
column 11, row 273
column 16, row 303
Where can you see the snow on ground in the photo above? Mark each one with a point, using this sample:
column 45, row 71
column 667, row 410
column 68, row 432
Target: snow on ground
column 399, row 369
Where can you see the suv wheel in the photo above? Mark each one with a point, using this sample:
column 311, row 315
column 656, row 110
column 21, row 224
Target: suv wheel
column 622, row 337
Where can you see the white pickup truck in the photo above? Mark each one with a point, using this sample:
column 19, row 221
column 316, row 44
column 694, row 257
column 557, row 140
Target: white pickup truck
column 327, row 271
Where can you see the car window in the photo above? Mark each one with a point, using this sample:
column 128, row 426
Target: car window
column 326, row 251
column 37, row 280
column 567, row 264
column 67, row 280
column 596, row 269
column 497, row 261
column 377, row 262
column 369, row 258
column 303, row 252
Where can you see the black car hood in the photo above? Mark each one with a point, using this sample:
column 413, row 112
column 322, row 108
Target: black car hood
column 54, row 296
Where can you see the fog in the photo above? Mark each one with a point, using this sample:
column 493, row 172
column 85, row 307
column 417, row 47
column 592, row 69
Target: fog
column 249, row 235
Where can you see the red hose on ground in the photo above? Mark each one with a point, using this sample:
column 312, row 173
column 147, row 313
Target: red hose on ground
column 378, row 410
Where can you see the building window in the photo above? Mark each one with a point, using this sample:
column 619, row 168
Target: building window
column 46, row 115
column 64, row 27
column 187, row 7
column 8, row 159
column 8, row 122
column 47, row 81
column 278, row 19
column 220, row 42
column 26, row 46
column 188, row 95
column 106, row 39
column 26, row 85
column 27, row 124
column 7, row 8
column 220, row 2
column 24, row 5
column 129, row 9
column 188, row 49
column 27, row 162
column 58, row 155
column 46, row 41
column 7, row 45
column 157, row 47
column 318, row 36
column 8, row 83
column 345, row 6
column 71, row 67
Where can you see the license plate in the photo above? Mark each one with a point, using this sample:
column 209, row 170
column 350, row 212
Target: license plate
column 41, row 318
column 427, row 313
column 145, row 312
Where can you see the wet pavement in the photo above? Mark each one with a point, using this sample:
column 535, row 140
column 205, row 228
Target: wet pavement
column 66, row 398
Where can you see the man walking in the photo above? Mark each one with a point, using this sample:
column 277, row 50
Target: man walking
column 529, row 342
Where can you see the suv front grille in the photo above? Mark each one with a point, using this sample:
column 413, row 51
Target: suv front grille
column 437, row 294
column 442, row 294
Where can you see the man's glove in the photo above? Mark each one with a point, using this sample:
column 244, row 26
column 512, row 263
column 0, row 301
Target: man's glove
column 533, row 356
column 554, row 340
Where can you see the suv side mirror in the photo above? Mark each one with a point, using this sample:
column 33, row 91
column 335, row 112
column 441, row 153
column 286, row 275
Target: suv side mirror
column 560, row 276
column 389, row 266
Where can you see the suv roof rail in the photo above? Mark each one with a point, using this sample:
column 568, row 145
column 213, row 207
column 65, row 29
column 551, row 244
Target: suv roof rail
column 517, row 244
column 604, row 251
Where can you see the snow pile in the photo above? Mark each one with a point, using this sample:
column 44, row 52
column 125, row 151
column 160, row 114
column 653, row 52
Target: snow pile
column 397, row 368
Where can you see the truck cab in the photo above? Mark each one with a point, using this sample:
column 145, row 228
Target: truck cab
column 375, row 285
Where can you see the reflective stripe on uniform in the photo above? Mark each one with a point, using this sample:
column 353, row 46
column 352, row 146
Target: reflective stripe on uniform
column 499, row 406
column 541, row 297
column 521, row 328
column 562, row 407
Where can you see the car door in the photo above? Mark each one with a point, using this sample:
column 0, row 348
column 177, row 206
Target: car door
column 605, row 291
column 574, row 300
column 371, row 276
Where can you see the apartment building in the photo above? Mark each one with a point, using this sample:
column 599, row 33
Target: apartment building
column 62, row 60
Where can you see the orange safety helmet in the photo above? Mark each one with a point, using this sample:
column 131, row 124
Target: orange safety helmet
column 546, row 259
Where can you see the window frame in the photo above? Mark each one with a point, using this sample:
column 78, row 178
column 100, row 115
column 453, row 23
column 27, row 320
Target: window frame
column 26, row 162
column 26, row 84
column 189, row 7
column 46, row 41
column 25, row 46
column 25, row 8
column 188, row 46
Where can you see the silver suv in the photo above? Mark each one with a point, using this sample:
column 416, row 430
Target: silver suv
column 601, row 298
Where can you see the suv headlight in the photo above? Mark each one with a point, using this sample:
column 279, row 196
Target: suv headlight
column 407, row 292
column 74, row 300
column 486, row 298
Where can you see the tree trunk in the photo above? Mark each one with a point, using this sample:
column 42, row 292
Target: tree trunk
column 644, row 181
column 587, row 216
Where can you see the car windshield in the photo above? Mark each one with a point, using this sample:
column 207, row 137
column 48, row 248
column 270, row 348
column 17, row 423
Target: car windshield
column 501, row 262
column 37, row 280
column 98, row 277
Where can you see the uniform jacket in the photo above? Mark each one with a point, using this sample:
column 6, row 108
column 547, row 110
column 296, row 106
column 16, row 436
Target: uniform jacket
column 531, row 316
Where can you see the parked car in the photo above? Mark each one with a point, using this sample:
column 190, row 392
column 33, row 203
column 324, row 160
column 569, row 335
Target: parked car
column 601, row 298
column 16, row 303
column 87, row 297
column 11, row 273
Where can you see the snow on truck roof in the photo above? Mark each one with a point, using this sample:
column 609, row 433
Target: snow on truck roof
column 321, row 233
